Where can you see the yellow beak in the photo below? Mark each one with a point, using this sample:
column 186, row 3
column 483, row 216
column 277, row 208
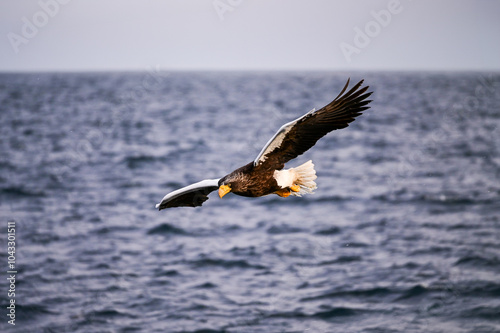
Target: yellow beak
column 223, row 190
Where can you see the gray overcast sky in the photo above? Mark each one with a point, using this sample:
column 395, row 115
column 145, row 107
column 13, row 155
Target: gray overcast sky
column 249, row 34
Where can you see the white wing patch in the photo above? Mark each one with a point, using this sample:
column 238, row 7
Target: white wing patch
column 272, row 144
column 193, row 187
column 277, row 139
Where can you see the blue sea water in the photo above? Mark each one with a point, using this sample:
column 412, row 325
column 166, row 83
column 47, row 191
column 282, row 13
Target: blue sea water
column 402, row 234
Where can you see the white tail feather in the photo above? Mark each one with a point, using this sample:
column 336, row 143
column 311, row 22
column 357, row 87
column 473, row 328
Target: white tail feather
column 304, row 177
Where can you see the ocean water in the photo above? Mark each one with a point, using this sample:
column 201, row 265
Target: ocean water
column 402, row 234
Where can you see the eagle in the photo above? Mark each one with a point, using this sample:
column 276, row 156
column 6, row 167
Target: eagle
column 266, row 174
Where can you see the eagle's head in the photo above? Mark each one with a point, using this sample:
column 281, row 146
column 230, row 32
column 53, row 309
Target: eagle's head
column 234, row 182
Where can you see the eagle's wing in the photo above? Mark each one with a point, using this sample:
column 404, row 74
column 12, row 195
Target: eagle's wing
column 296, row 137
column 190, row 196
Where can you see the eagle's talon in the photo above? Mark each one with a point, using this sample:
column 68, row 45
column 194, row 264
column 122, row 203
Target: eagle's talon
column 295, row 188
column 283, row 193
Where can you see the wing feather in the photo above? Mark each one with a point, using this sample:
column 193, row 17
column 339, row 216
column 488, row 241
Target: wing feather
column 296, row 137
column 193, row 195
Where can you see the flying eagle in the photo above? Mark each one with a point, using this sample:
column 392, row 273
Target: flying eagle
column 265, row 175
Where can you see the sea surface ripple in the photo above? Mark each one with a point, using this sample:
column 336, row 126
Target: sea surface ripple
column 402, row 234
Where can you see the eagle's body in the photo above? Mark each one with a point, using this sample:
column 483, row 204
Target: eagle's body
column 265, row 175
column 253, row 181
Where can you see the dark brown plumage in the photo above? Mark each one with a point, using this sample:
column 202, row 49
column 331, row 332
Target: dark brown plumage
column 313, row 126
column 265, row 175
column 252, row 181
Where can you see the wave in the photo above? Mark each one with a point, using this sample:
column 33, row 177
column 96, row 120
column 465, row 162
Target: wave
column 476, row 261
column 341, row 260
column 328, row 232
column 111, row 229
column 170, row 272
column 203, row 331
column 206, row 285
column 166, row 229
column 225, row 263
column 283, row 229
column 31, row 311
column 377, row 291
column 137, row 162
column 414, row 291
column 20, row 191
column 107, row 314
column 335, row 312
column 479, row 289
column 482, row 312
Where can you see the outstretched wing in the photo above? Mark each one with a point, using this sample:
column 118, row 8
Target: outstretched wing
column 193, row 195
column 296, row 137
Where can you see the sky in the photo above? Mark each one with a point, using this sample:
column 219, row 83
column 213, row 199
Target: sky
column 102, row 35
